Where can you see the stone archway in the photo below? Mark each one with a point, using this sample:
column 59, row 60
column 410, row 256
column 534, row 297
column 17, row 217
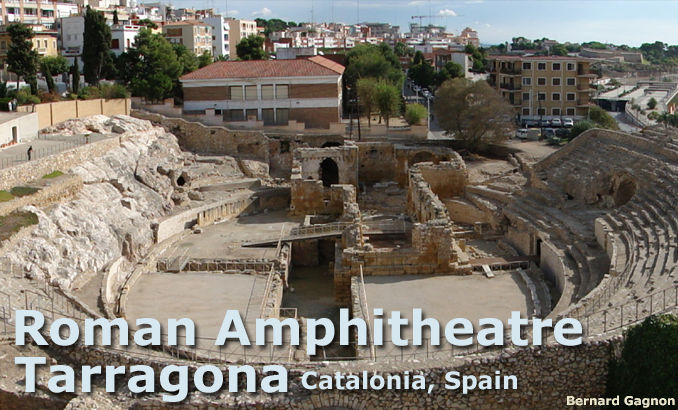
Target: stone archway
column 423, row 156
column 329, row 172
column 330, row 144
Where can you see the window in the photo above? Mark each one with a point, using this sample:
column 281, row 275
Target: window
column 267, row 92
column 527, row 66
column 541, row 81
column 570, row 81
column 526, row 111
column 268, row 116
column 570, row 111
column 541, row 66
column 282, row 116
column 571, row 96
column 3, row 45
column 541, row 97
column 541, row 111
column 252, row 114
column 234, row 115
column 115, row 44
column 555, row 97
column 282, row 92
column 527, row 81
column 555, row 81
column 250, row 92
column 571, row 67
column 557, row 67
column 555, row 111
column 236, row 93
column 526, row 96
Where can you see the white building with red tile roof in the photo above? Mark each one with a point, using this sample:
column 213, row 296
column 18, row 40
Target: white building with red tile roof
column 273, row 91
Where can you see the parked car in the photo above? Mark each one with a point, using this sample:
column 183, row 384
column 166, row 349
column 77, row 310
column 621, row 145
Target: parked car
column 568, row 122
column 426, row 93
column 545, row 123
column 556, row 122
column 549, row 132
column 563, row 133
column 521, row 133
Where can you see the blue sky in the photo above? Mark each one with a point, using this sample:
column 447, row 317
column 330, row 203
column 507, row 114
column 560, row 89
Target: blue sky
column 619, row 22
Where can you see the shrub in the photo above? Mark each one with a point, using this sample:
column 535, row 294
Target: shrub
column 89, row 93
column 5, row 196
column 24, row 97
column 110, row 91
column 415, row 113
column 23, row 190
column 580, row 127
column 647, row 366
column 53, row 174
column 49, row 97
column 652, row 103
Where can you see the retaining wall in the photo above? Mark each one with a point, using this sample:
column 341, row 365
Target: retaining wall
column 60, row 189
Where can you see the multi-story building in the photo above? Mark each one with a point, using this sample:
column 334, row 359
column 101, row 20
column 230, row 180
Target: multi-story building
column 44, row 42
column 195, row 35
column 273, row 91
column 239, row 29
column 221, row 29
column 543, row 87
column 70, row 36
column 122, row 37
column 35, row 12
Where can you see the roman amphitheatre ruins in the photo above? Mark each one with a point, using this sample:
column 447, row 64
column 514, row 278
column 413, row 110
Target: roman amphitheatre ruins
column 164, row 218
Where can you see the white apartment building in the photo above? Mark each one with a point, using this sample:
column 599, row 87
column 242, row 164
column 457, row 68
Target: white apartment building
column 122, row 37
column 35, row 12
column 220, row 35
column 70, row 32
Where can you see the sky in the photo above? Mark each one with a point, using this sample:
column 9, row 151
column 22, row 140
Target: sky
column 497, row 21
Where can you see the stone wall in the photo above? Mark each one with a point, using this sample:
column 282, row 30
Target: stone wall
column 446, row 179
column 345, row 157
column 423, row 204
column 27, row 171
column 59, row 189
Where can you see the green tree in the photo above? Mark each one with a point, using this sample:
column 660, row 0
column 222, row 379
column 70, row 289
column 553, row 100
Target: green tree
column 652, row 104
column 418, row 58
column 602, row 118
column 22, row 59
column 56, row 64
column 155, row 66
column 367, row 97
column 75, row 72
column 148, row 24
column 388, row 100
column 473, row 113
column 450, row 71
column 647, row 366
column 423, row 74
column 205, row 59
column 401, row 49
column 49, row 79
column 558, row 50
column 372, row 61
column 251, row 48
column 415, row 113
column 96, row 45
column 479, row 57
column 115, row 17
column 186, row 57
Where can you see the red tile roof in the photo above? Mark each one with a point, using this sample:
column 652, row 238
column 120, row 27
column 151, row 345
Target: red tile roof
column 314, row 66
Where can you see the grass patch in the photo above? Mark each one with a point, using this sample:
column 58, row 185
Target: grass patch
column 12, row 223
column 53, row 174
column 5, row 196
column 23, row 190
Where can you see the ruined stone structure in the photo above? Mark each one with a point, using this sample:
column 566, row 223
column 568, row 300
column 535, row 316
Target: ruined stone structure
column 179, row 217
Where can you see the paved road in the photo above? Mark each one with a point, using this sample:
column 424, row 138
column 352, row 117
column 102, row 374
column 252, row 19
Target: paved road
column 411, row 97
column 623, row 125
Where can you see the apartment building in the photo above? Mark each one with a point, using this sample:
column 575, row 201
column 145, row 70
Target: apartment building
column 273, row 91
column 543, row 86
column 239, row 29
column 195, row 35
column 44, row 41
column 122, row 37
column 41, row 12
column 70, row 36
column 221, row 30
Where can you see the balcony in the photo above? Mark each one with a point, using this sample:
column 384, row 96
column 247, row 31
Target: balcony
column 583, row 103
column 511, row 71
column 510, row 87
column 586, row 73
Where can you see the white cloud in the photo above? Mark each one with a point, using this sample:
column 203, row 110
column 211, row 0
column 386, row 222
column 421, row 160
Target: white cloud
column 474, row 1
column 263, row 13
column 232, row 13
column 447, row 13
column 486, row 25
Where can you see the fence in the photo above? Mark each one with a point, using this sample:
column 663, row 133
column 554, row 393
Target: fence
column 7, row 161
